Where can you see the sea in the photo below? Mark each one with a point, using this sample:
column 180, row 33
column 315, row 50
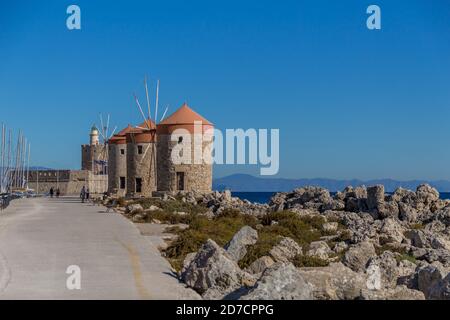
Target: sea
column 264, row 197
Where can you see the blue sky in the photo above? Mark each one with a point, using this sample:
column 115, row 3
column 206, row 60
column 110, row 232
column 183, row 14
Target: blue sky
column 349, row 102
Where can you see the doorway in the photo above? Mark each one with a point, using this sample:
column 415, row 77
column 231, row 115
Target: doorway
column 180, row 181
column 138, row 185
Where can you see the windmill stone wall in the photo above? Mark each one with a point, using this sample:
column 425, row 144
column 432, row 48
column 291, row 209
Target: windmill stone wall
column 141, row 164
column 197, row 177
column 117, row 168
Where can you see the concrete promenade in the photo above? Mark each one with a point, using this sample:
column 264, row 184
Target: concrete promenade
column 40, row 238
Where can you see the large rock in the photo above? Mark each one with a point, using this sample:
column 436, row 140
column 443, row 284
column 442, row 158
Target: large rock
column 134, row 209
column 187, row 261
column 217, row 202
column 335, row 282
column 407, row 213
column 442, row 290
column 397, row 293
column 429, row 280
column 285, row 250
column 260, row 265
column 282, row 281
column 438, row 255
column 388, row 210
column 319, row 249
column 312, row 198
column 358, row 255
column 427, row 194
column 402, row 195
column 355, row 199
column 360, row 225
column 418, row 238
column 212, row 269
column 383, row 271
column 391, row 231
column 333, row 205
column 237, row 247
column 440, row 242
column 375, row 197
column 444, row 216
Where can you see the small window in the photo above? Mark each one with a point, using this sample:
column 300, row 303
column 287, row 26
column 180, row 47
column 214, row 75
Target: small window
column 122, row 151
column 122, row 182
column 138, row 185
column 139, row 149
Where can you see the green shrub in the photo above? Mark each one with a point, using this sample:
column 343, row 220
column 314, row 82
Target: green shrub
column 402, row 253
column 417, row 226
column 301, row 261
column 302, row 229
column 407, row 257
column 392, row 248
column 172, row 205
column 220, row 229
column 169, row 217
column 268, row 237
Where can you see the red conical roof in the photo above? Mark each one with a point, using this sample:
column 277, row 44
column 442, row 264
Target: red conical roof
column 119, row 137
column 124, row 131
column 184, row 115
column 147, row 124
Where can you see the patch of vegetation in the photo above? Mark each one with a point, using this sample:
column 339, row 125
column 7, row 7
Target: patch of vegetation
column 301, row 261
column 407, row 257
column 268, row 237
column 389, row 247
column 402, row 253
column 344, row 235
column 171, row 206
column 220, row 229
column 302, row 229
column 121, row 202
column 170, row 218
column 416, row 226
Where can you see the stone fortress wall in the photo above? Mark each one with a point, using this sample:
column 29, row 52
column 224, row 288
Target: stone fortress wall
column 69, row 182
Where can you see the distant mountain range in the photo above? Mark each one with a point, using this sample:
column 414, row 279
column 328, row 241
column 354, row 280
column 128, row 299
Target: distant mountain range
column 248, row 183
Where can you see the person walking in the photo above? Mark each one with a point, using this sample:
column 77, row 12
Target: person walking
column 83, row 194
column 87, row 194
column 51, row 192
column 58, row 193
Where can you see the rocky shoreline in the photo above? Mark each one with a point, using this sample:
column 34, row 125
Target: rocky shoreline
column 360, row 243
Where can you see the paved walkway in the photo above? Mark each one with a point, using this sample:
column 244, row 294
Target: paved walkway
column 41, row 238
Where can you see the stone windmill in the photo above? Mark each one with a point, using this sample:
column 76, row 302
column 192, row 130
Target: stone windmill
column 141, row 164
